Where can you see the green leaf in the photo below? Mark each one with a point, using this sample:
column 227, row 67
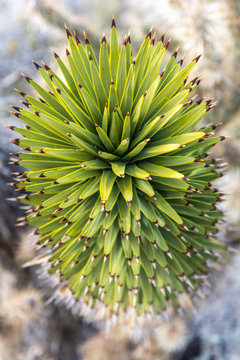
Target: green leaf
column 121, row 71
column 140, row 62
column 172, row 182
column 78, row 175
column 83, row 145
column 128, row 54
column 135, row 205
column 80, row 62
column 123, row 147
column 156, row 150
column 105, row 119
column 113, row 197
column 125, row 186
column 127, row 95
column 104, row 138
column 148, row 210
column 114, row 52
column 98, row 85
column 104, row 68
column 107, row 181
column 124, row 211
column 158, row 170
column 171, row 88
column 108, row 156
column 147, row 100
column 172, row 160
column 144, row 186
column 164, row 206
column 126, row 132
column 181, row 139
column 95, row 164
column 136, row 150
column 116, row 129
column 118, row 168
column 93, row 109
column 135, row 171
column 67, row 75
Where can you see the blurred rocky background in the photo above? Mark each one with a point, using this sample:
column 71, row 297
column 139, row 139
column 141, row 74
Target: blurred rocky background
column 32, row 329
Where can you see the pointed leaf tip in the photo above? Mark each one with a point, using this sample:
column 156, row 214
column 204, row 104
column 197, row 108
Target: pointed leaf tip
column 46, row 66
column 167, row 44
column 55, row 54
column 161, row 75
column 153, row 39
column 13, row 113
column 20, row 92
column 85, row 38
column 11, row 127
column 25, row 103
column 194, row 80
column 208, row 102
column 175, row 53
column 162, row 37
column 76, row 38
column 224, row 137
column 26, row 77
column 149, row 34
column 180, row 62
column 67, row 31
column 36, row 65
column 50, row 76
column 199, row 101
column 211, row 106
column 103, row 39
column 197, row 58
column 17, row 108
column 113, row 22
column 186, row 103
column 214, row 126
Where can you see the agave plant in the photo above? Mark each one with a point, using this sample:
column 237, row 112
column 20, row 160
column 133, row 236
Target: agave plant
column 120, row 182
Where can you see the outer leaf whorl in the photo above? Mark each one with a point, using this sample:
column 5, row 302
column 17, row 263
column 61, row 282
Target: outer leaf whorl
column 119, row 179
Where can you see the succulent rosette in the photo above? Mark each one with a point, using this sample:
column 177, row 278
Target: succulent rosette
column 119, row 179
